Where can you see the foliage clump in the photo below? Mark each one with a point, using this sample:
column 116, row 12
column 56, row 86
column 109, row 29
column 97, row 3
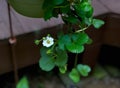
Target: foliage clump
column 77, row 13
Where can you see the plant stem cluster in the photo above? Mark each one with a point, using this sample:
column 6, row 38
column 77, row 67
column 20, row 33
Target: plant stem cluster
column 77, row 13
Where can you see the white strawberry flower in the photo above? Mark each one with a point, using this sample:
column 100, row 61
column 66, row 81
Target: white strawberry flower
column 48, row 41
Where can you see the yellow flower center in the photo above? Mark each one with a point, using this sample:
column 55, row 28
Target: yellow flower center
column 48, row 42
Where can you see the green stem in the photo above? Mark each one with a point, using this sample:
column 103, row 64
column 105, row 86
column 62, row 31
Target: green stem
column 83, row 29
column 61, row 6
column 76, row 59
column 54, row 45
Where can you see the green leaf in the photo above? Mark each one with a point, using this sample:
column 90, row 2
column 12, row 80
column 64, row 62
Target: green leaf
column 23, row 83
column 83, row 69
column 49, row 51
column 65, row 9
column 98, row 23
column 88, row 21
column 90, row 13
column 48, row 9
column 48, row 4
column 46, row 63
column 58, row 2
column 74, row 75
column 48, row 13
column 29, row 8
column 61, row 58
column 71, row 19
column 84, row 9
column 37, row 42
column 44, row 51
column 80, row 38
column 75, row 48
column 63, row 40
column 85, row 6
column 63, row 69
column 87, row 1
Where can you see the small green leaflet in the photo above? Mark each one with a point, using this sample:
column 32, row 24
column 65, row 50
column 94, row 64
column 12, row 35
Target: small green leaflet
column 23, row 83
column 98, row 23
column 83, row 69
column 37, row 42
column 74, row 75
column 63, row 69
